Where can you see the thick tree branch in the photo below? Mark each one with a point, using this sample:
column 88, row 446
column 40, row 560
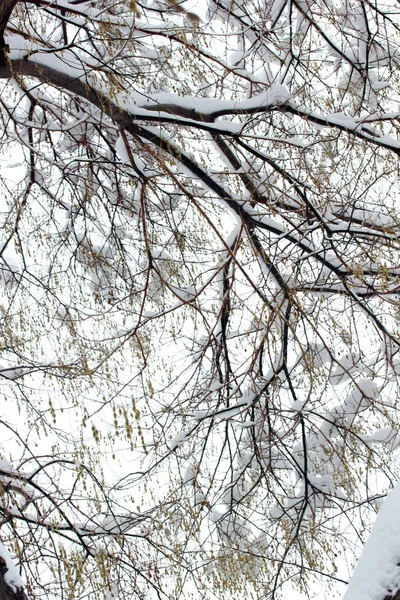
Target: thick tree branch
column 8, row 592
column 6, row 8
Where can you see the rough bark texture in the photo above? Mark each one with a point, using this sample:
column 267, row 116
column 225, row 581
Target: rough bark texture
column 6, row 8
column 390, row 596
column 7, row 592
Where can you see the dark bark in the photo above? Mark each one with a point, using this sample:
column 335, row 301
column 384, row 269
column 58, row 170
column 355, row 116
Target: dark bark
column 6, row 591
column 390, row 596
column 6, row 8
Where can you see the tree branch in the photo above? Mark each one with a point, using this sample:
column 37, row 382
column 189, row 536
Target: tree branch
column 6, row 8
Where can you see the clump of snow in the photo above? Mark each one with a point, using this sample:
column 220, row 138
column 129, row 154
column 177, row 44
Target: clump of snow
column 179, row 439
column 11, row 372
column 121, row 150
column 377, row 573
column 360, row 398
column 11, row 577
column 386, row 436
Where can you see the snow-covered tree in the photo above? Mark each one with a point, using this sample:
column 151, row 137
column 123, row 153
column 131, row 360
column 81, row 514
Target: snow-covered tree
column 199, row 307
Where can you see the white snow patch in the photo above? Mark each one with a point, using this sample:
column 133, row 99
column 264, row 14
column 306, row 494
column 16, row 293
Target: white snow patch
column 179, row 439
column 12, row 577
column 378, row 569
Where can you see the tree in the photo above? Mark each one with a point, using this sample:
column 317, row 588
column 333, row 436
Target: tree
column 377, row 571
column 200, row 275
